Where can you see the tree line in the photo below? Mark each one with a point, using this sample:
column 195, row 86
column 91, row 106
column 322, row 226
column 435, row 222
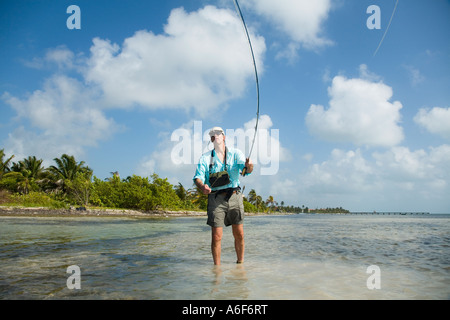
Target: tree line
column 72, row 183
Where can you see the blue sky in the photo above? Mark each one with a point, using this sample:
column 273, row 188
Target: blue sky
column 349, row 128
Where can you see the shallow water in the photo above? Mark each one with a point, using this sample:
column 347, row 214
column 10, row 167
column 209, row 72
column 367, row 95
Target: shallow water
column 287, row 257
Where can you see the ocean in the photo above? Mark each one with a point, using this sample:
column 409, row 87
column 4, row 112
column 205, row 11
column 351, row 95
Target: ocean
column 291, row 257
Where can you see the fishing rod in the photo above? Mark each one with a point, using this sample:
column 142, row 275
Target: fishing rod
column 238, row 9
column 387, row 29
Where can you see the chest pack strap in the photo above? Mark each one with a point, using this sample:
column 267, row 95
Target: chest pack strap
column 212, row 159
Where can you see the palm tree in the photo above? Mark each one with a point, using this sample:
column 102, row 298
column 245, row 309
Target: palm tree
column 26, row 174
column 31, row 164
column 256, row 200
column 181, row 192
column 259, row 203
column 67, row 168
column 116, row 177
column 252, row 197
column 197, row 198
column 4, row 165
column 270, row 201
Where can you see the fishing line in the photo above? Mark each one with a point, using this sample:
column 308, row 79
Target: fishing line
column 238, row 9
column 389, row 24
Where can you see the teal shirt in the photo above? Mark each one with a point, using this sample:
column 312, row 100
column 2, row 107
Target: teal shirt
column 235, row 164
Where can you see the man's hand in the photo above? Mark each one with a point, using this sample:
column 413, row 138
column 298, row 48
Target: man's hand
column 205, row 189
column 249, row 165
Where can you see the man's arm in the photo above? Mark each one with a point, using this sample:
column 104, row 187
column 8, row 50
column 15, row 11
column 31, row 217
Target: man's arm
column 200, row 175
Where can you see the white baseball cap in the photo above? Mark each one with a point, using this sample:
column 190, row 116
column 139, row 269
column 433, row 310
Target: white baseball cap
column 216, row 130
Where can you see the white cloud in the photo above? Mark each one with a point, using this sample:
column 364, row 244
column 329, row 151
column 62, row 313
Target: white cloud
column 416, row 177
column 401, row 164
column 308, row 157
column 60, row 56
column 201, row 61
column 64, row 118
column 398, row 179
column 159, row 161
column 436, row 121
column 414, row 75
column 301, row 20
column 344, row 172
column 360, row 112
column 366, row 74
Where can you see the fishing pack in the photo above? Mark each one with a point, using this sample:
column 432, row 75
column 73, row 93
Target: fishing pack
column 218, row 179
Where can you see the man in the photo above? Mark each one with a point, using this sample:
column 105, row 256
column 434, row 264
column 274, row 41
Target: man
column 217, row 176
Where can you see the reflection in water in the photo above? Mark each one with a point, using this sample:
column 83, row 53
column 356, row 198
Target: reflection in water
column 230, row 283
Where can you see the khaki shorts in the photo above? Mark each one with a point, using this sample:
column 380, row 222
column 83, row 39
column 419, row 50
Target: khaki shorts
column 225, row 213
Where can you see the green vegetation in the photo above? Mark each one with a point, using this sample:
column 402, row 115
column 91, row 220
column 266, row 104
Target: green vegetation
column 71, row 183
column 330, row 210
column 34, row 199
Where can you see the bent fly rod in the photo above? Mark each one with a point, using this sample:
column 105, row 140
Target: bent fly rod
column 238, row 9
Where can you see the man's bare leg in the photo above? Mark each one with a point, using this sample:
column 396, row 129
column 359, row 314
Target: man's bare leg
column 239, row 244
column 216, row 241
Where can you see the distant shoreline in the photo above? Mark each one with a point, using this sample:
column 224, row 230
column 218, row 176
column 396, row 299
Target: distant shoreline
column 16, row 211
column 90, row 212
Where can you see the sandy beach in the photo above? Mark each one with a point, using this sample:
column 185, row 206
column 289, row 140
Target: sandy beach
column 100, row 212
column 97, row 212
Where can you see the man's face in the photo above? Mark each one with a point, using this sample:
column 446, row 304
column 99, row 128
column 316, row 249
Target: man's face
column 218, row 138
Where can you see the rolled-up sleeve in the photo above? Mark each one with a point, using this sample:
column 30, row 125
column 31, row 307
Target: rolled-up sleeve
column 202, row 169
